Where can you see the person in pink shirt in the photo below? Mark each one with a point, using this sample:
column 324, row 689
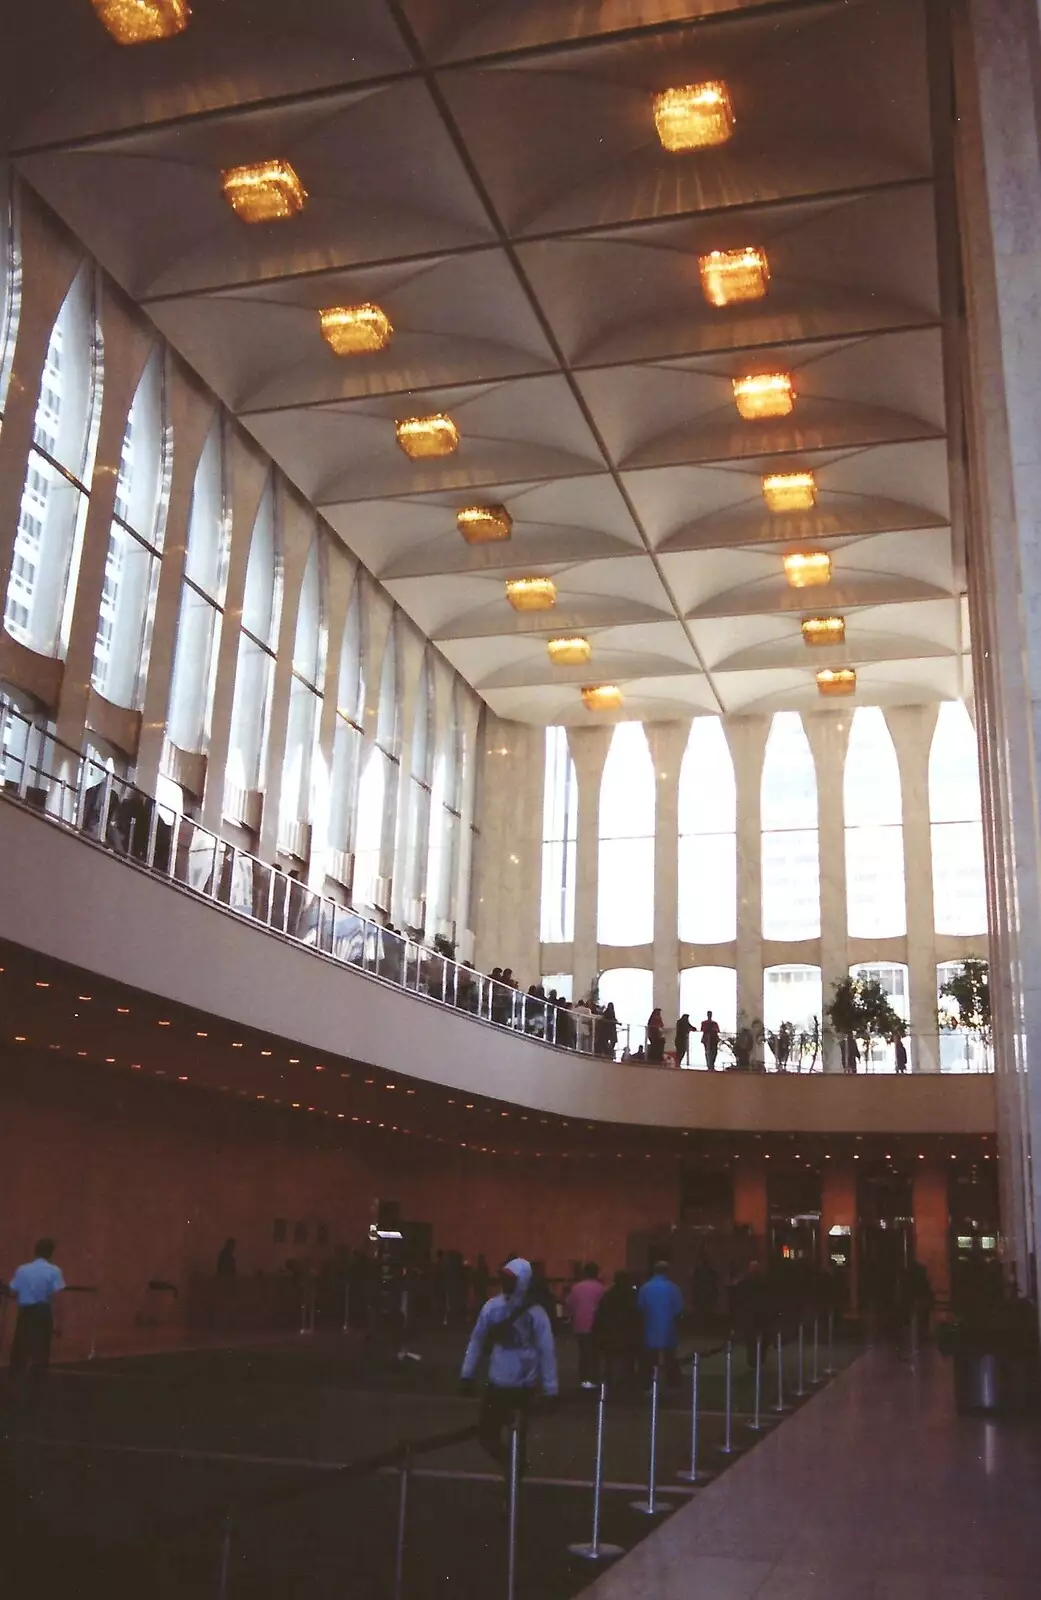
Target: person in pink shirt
column 582, row 1302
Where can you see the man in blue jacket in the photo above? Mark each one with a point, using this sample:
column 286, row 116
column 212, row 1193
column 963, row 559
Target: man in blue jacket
column 661, row 1306
column 516, row 1337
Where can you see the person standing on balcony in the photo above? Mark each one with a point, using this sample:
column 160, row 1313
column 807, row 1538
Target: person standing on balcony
column 656, row 1037
column 684, row 1029
column 710, row 1040
column 34, row 1286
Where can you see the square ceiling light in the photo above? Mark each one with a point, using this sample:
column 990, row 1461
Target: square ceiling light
column 790, row 491
column 806, row 569
column 693, row 116
column 764, row 394
column 355, row 330
column 265, row 191
column 531, row 594
column 569, row 652
column 824, row 630
column 843, row 680
column 484, row 524
column 142, row 21
column 602, row 697
column 729, row 276
column 424, row 437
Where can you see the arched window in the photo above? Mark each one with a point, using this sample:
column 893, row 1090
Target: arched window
column 960, row 1050
column 135, row 544
column 254, row 672
column 447, row 824
column 893, row 977
column 790, row 863
column 53, row 510
column 559, row 840
column 10, row 289
column 959, row 885
column 378, row 790
column 202, row 600
column 875, row 905
column 423, row 757
column 793, row 994
column 705, row 989
column 707, row 888
column 305, row 696
column 625, row 900
column 631, row 991
column 347, row 739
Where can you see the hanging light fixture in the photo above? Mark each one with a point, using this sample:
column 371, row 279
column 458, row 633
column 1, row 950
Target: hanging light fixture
column 264, row 191
column 355, row 330
column 693, row 116
column 484, row 524
column 843, row 680
column 569, row 652
column 602, row 697
column 142, row 21
column 422, row 437
column 806, row 569
column 790, row 491
column 764, row 394
column 531, row 594
column 824, row 630
column 728, row 276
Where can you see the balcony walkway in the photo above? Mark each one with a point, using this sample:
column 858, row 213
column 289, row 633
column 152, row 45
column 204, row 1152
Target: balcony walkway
column 877, row 1490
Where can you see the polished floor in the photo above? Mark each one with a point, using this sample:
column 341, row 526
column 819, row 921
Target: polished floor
column 877, row 1490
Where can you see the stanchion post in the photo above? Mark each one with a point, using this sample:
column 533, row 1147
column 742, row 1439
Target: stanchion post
column 92, row 1352
column 800, row 1387
column 649, row 1507
column 727, row 1447
column 594, row 1550
column 815, row 1371
column 756, row 1424
column 691, row 1474
column 224, row 1576
column 347, row 1308
column 512, row 1494
column 914, row 1339
column 780, row 1405
column 399, row 1548
column 829, row 1370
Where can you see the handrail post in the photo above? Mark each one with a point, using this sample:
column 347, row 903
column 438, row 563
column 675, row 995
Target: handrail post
column 92, row 1352
column 780, row 1405
column 829, row 1370
column 756, row 1424
column 815, row 1369
column 512, row 1496
column 594, row 1550
column 800, row 1387
column 650, row 1507
column 727, row 1447
column 691, row 1474
column 399, row 1549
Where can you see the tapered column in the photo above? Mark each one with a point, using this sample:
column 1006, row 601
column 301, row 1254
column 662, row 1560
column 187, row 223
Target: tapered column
column 912, row 730
column 828, row 733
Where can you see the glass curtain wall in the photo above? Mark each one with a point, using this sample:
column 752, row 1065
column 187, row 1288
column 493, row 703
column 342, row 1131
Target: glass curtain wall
column 788, row 812
column 559, row 840
column 707, row 889
column 625, row 886
column 255, row 671
column 202, row 600
column 959, row 889
column 875, row 902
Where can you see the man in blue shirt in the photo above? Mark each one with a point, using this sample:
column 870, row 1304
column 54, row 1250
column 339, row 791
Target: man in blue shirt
column 661, row 1306
column 34, row 1286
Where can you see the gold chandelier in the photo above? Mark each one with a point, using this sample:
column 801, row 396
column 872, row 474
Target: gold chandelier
column 843, row 680
column 728, row 276
column 602, row 697
column 531, row 594
column 142, row 21
column 264, row 191
column 806, row 569
column 355, row 330
column 484, row 524
column 790, row 491
column 764, row 394
column 569, row 652
column 424, row 437
column 693, row 116
column 824, row 630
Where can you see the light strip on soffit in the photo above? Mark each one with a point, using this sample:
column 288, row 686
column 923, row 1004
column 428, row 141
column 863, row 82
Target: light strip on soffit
column 807, row 569
column 142, row 21
column 355, row 330
column 764, row 394
column 423, row 437
column 265, row 191
column 824, row 630
column 790, row 491
column 484, row 524
column 729, row 276
column 569, row 652
column 693, row 116
column 842, row 680
column 602, row 697
column 531, row 594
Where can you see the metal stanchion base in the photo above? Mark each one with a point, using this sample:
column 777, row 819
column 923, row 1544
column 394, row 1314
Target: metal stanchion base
column 686, row 1476
column 762, row 1426
column 727, row 1452
column 645, row 1508
column 596, row 1552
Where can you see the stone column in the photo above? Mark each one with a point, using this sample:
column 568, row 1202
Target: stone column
column 912, row 729
column 510, row 882
column 298, row 530
column 668, row 741
column 828, row 733
column 589, row 747
column 747, row 737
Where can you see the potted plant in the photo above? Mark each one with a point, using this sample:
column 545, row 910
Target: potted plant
column 966, row 1002
column 859, row 1011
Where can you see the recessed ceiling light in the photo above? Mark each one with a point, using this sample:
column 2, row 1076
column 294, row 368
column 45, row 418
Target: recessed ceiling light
column 730, row 276
column 142, row 21
column 807, row 569
column 183, row 1078
column 693, row 116
column 202, row 1036
column 265, row 1052
column 531, row 594
column 355, row 330
column 602, row 697
column 123, row 1011
column 78, row 997
column 40, row 984
column 423, row 437
column 236, row 1044
column 764, row 394
column 569, row 652
column 841, row 681
column 19, row 1038
column 294, row 1061
column 484, row 524
column 162, row 1024
column 110, row 1061
column 264, row 191
column 790, row 491
column 824, row 630
column 319, row 1067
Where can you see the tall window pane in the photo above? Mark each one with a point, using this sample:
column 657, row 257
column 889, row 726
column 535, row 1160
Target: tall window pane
column 705, row 989
column 422, row 758
column 378, row 789
column 959, row 884
column 57, row 483
column 202, row 601
column 135, row 542
column 893, row 978
column 625, row 883
column 874, row 832
column 10, row 289
column 790, row 861
column 304, row 697
column 372, row 793
column 350, row 710
column 254, row 672
column 631, row 991
column 559, row 840
column 792, row 994
column 708, row 837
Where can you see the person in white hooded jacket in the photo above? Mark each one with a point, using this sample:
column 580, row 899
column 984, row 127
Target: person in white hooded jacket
column 517, row 1339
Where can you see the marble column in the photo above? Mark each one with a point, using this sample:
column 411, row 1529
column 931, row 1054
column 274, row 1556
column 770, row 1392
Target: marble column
column 668, row 741
column 747, row 737
column 589, row 747
column 912, row 730
column 828, row 733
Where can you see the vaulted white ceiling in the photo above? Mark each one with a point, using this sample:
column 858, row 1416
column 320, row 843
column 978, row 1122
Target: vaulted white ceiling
column 489, row 173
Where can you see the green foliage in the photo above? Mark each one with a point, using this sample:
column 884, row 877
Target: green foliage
column 444, row 946
column 860, row 1007
column 969, row 994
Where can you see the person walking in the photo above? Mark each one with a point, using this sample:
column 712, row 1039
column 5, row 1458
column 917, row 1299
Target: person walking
column 710, row 1040
column 684, row 1029
column 516, row 1339
column 582, row 1304
column 34, row 1287
column 618, row 1330
column 900, row 1050
column 661, row 1306
column 656, row 1037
